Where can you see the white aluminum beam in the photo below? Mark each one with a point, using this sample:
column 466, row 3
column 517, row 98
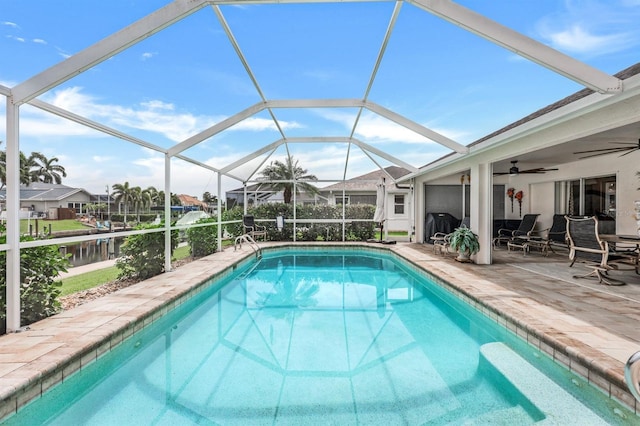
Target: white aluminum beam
column 105, row 48
column 243, row 2
column 391, row 158
column 216, row 128
column 13, row 219
column 320, row 139
column 245, row 64
column 4, row 90
column 418, row 128
column 383, row 48
column 253, row 155
column 92, row 124
column 522, row 45
column 315, row 103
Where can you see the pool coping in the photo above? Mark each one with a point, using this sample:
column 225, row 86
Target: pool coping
column 50, row 350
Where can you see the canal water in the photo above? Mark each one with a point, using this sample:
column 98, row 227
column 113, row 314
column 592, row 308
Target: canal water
column 92, row 251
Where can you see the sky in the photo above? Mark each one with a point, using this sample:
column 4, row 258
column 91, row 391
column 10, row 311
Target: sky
column 188, row 77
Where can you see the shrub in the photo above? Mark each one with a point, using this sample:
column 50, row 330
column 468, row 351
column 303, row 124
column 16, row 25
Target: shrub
column 39, row 266
column 354, row 231
column 203, row 240
column 142, row 255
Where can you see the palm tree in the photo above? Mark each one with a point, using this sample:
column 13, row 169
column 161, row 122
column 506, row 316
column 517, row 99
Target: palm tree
column 123, row 193
column 25, row 166
column 175, row 201
column 154, row 196
column 142, row 200
column 43, row 169
column 283, row 174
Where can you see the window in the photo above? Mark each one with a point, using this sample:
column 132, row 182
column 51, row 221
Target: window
column 76, row 206
column 398, row 204
column 342, row 200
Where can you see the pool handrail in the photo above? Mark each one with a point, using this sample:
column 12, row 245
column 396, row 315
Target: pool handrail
column 632, row 374
column 249, row 240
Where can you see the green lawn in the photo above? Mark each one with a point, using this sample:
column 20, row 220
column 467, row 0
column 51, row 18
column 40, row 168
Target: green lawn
column 393, row 234
column 56, row 225
column 89, row 280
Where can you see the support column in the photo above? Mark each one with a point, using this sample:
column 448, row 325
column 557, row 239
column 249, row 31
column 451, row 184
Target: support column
column 167, row 213
column 294, row 211
column 481, row 202
column 219, row 211
column 13, row 217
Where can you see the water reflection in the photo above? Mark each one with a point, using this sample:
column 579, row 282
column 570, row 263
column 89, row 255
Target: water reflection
column 87, row 252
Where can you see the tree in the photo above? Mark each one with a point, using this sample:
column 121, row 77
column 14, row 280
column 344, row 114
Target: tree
column 43, row 169
column 208, row 198
column 123, row 193
column 25, row 168
column 154, row 196
column 283, row 174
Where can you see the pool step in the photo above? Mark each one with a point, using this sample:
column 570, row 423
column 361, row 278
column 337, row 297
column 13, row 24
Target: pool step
column 507, row 417
column 558, row 405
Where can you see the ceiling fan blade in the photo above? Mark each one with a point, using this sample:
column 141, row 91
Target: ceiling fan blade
column 537, row 170
column 596, row 154
column 599, row 150
column 630, row 150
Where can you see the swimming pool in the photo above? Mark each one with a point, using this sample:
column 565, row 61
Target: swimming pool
column 314, row 337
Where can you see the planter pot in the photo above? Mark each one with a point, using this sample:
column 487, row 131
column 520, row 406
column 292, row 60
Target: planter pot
column 464, row 257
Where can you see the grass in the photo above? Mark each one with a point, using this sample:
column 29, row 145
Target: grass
column 88, row 280
column 393, row 234
column 56, row 225
column 102, row 276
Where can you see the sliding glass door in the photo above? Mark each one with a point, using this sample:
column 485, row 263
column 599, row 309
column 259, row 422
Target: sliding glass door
column 592, row 196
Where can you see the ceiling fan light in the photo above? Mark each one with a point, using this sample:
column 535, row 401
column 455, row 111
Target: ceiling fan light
column 513, row 171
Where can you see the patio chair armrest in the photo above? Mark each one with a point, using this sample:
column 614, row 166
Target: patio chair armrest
column 504, row 232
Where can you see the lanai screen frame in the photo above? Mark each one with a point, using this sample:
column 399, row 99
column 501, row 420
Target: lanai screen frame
column 27, row 92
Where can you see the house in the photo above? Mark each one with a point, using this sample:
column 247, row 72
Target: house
column 260, row 193
column 192, row 202
column 44, row 198
column 577, row 156
column 362, row 190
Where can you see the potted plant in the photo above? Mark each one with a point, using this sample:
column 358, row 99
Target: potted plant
column 465, row 242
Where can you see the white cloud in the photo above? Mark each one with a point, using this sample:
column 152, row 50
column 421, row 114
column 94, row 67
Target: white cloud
column 592, row 27
column 102, row 158
column 10, row 24
column 153, row 116
column 147, row 55
column 20, row 39
column 577, row 39
column 373, row 128
column 39, row 41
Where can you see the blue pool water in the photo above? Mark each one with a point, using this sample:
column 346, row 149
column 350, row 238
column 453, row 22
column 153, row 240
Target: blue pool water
column 309, row 337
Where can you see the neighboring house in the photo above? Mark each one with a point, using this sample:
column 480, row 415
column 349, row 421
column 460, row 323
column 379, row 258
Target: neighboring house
column 265, row 193
column 192, row 202
column 40, row 198
column 362, row 190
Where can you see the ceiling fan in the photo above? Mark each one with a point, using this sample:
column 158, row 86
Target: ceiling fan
column 622, row 147
column 514, row 170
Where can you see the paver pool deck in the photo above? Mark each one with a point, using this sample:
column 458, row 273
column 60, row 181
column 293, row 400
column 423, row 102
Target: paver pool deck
column 588, row 327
